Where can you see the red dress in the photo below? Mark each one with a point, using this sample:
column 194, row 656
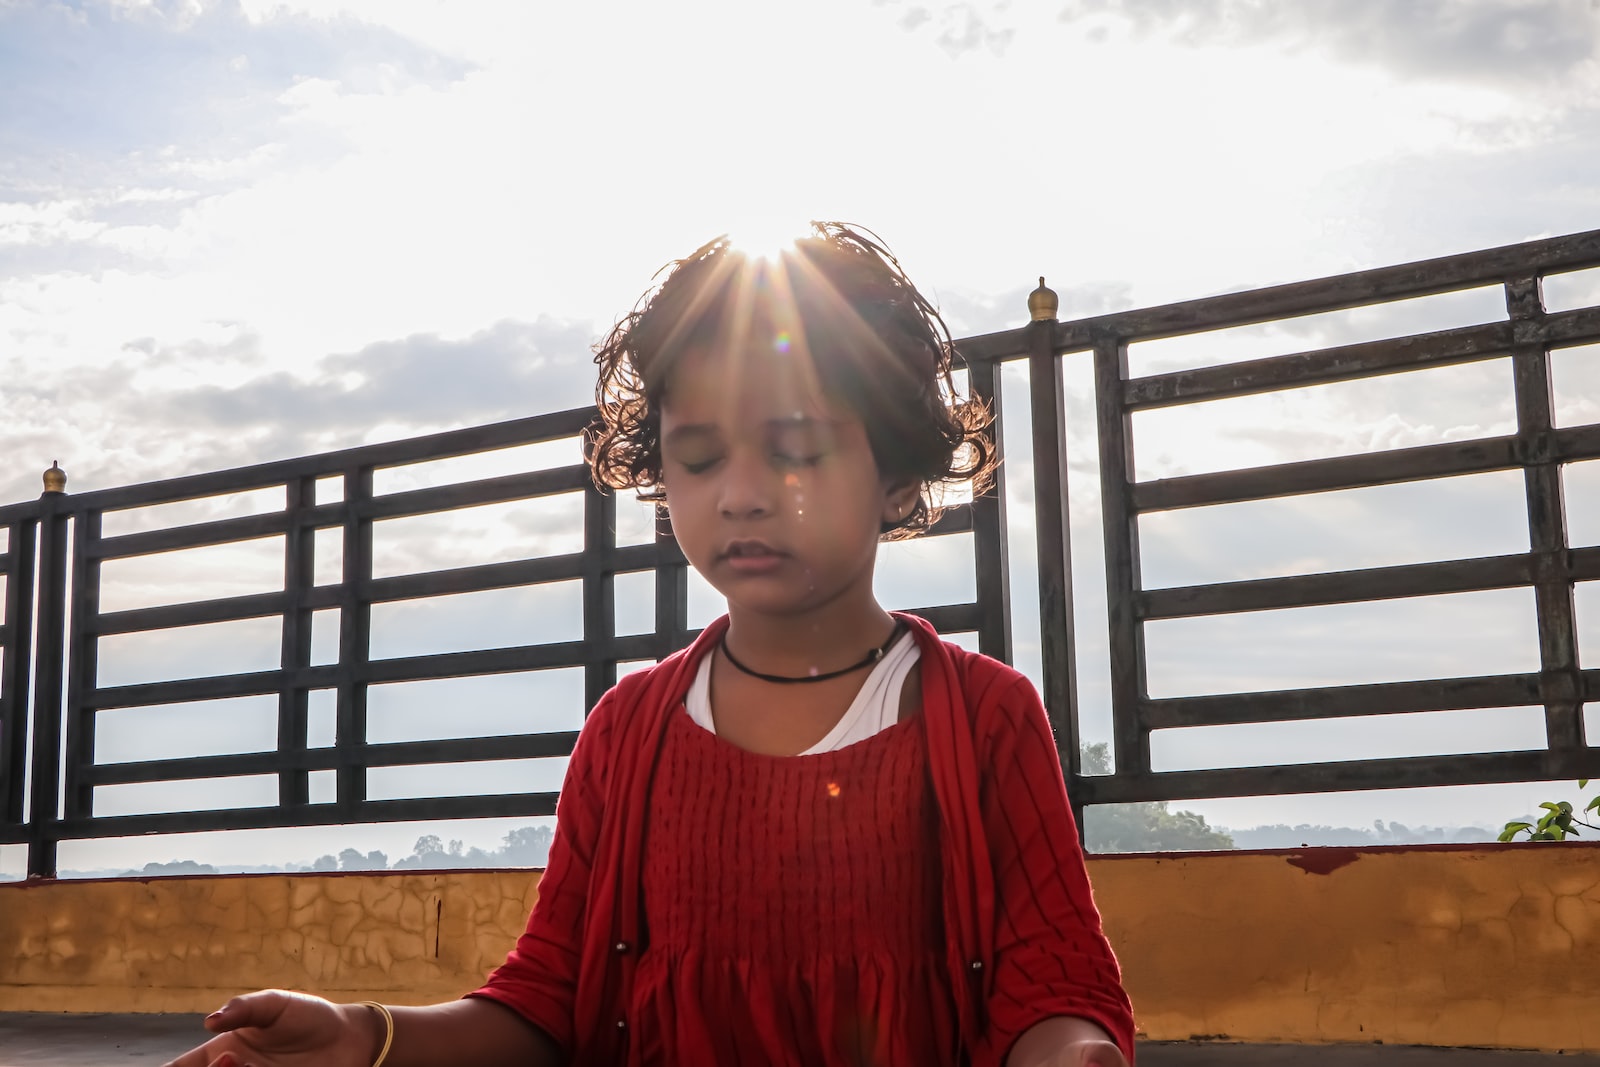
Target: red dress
column 918, row 897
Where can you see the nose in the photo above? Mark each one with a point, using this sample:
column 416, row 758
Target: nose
column 746, row 488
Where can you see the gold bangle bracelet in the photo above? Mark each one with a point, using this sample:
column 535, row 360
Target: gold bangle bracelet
column 388, row 1026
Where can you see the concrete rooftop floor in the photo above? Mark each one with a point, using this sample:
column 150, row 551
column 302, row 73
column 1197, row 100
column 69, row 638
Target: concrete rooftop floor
column 92, row 1040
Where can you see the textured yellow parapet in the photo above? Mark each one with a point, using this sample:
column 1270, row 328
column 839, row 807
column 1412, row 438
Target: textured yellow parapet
column 187, row 944
column 1485, row 946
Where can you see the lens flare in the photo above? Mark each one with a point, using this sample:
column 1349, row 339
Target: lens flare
column 780, row 343
column 766, row 238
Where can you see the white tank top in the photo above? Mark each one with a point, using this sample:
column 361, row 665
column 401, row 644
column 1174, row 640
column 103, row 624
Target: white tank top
column 876, row 707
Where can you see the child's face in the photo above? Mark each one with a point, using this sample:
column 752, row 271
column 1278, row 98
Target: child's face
column 771, row 486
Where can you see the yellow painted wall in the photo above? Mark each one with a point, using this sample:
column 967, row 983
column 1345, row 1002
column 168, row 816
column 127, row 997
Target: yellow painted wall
column 1495, row 946
column 187, row 944
column 1491, row 946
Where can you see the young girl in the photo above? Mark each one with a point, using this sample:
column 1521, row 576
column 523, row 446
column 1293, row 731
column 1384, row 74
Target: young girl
column 818, row 835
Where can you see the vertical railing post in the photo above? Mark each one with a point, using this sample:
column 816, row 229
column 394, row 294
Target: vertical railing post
column 989, row 549
column 82, row 667
column 15, row 668
column 1125, row 631
column 672, row 590
column 49, row 676
column 1560, row 681
column 355, row 642
column 1054, row 537
column 599, row 593
column 295, row 649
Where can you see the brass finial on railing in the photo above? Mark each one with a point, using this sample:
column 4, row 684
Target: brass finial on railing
column 1043, row 303
column 55, row 479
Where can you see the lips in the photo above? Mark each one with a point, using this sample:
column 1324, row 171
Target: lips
column 748, row 548
column 751, row 556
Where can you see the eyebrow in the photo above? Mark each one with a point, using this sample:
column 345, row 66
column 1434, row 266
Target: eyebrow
column 800, row 420
column 690, row 432
column 696, row 430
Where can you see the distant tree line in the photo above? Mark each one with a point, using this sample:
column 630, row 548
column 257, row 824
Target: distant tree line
column 1147, row 827
column 526, row 846
column 1107, row 828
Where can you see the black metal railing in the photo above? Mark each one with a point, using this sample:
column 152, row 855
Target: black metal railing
column 58, row 544
column 55, row 547
column 1551, row 567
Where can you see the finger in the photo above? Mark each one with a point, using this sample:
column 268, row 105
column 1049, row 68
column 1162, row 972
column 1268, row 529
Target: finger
column 1104, row 1055
column 253, row 1009
column 204, row 1056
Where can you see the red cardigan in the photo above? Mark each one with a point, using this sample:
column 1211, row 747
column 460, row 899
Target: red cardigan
column 1023, row 936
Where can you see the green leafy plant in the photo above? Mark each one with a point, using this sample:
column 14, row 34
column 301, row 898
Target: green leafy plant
column 1559, row 821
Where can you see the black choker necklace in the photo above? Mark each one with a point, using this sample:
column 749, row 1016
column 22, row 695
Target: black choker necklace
column 871, row 657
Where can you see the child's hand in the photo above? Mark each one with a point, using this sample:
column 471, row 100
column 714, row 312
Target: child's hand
column 1065, row 1041
column 1088, row 1054
column 275, row 1028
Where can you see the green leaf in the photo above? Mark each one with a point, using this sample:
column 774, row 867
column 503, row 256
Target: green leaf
column 1594, row 805
column 1583, row 783
column 1513, row 829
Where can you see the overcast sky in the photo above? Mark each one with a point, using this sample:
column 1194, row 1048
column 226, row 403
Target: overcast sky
column 233, row 232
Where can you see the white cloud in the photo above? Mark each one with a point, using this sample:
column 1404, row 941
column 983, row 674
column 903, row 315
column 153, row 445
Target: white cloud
column 230, row 233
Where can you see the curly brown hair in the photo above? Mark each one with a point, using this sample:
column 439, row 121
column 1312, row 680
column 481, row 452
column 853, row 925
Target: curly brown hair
column 875, row 341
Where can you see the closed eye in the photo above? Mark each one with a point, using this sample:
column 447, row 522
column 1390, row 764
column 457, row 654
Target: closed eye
column 699, row 466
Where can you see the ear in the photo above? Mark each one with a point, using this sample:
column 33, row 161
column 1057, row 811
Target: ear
column 899, row 499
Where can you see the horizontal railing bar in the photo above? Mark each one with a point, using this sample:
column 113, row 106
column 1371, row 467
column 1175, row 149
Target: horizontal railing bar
column 446, row 445
column 949, row 618
column 1420, row 463
column 1318, row 367
column 193, row 613
column 1585, row 564
column 478, row 662
column 1573, row 443
column 216, row 687
column 955, row 519
column 507, row 660
column 626, row 559
column 438, row 499
column 1381, row 285
column 411, row 809
column 13, row 515
column 394, row 754
column 195, row 535
column 1338, row 701
column 512, row 659
column 1367, row 359
column 997, row 347
column 1411, row 772
column 1295, row 299
column 480, row 578
column 499, row 490
column 1323, row 475
column 1336, row 587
